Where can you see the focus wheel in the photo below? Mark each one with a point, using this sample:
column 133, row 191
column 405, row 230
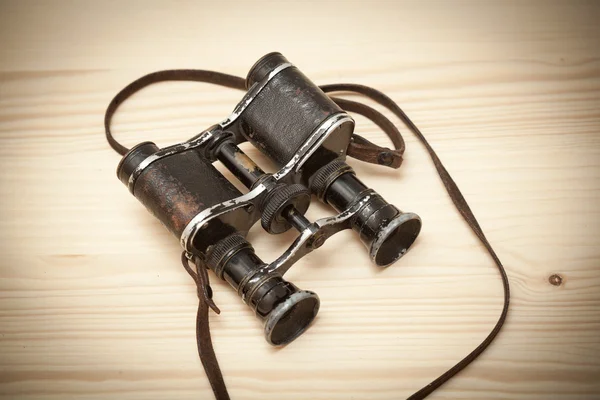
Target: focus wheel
column 281, row 197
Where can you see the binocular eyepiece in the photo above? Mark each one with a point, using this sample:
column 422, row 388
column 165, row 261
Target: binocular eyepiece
column 386, row 231
column 290, row 120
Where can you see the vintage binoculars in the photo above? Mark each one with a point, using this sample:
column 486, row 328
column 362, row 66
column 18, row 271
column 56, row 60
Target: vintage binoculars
column 306, row 134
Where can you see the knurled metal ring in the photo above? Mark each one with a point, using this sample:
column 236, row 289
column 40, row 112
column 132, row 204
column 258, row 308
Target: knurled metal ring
column 277, row 201
column 218, row 254
column 320, row 181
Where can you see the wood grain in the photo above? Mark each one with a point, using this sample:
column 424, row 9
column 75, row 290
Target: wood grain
column 93, row 301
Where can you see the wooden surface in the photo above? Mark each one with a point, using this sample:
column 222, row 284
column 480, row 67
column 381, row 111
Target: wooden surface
column 95, row 305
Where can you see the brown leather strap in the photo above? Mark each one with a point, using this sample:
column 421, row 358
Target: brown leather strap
column 359, row 148
column 195, row 75
column 206, row 351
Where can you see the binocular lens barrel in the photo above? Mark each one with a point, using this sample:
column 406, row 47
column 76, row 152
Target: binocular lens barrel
column 283, row 116
column 285, row 310
column 178, row 187
column 386, row 231
column 286, row 111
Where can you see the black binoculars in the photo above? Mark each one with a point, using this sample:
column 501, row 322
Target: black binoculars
column 306, row 134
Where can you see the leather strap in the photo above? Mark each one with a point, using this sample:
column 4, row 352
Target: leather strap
column 206, row 351
column 359, row 148
column 195, row 75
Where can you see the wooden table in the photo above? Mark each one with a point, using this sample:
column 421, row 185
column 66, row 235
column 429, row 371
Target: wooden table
column 95, row 305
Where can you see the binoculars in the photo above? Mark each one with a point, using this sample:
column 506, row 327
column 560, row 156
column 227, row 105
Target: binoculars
column 306, row 134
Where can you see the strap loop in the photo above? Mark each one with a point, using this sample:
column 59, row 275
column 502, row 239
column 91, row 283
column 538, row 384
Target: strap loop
column 206, row 351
